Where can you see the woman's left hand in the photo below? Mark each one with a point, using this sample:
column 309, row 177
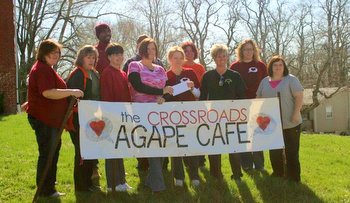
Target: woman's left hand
column 190, row 84
column 160, row 100
column 24, row 106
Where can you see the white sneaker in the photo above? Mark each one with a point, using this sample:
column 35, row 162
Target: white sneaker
column 109, row 190
column 122, row 187
column 128, row 187
column 195, row 183
column 179, row 183
column 57, row 194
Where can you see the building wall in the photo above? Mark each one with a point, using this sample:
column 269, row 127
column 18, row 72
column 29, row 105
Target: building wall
column 7, row 56
column 340, row 121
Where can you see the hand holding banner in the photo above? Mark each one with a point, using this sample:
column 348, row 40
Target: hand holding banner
column 118, row 130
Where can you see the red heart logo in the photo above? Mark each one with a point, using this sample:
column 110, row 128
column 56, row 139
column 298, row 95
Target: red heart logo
column 97, row 127
column 263, row 121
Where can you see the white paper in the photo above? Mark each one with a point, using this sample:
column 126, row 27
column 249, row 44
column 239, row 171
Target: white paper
column 180, row 88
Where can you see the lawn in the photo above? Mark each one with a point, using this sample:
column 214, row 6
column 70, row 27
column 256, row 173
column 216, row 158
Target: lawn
column 325, row 162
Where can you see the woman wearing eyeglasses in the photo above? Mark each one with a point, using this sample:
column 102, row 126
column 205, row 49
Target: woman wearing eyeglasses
column 252, row 71
column 222, row 84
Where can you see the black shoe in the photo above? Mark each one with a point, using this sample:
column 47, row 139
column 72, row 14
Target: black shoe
column 262, row 171
column 236, row 179
column 95, row 188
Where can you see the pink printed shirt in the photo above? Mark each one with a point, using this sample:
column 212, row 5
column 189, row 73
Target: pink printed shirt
column 156, row 78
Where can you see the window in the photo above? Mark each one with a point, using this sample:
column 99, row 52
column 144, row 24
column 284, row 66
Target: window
column 329, row 112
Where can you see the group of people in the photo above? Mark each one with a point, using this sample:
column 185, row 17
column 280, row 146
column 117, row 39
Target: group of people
column 99, row 74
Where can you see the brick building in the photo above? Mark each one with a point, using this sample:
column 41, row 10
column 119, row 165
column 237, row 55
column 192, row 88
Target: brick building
column 7, row 57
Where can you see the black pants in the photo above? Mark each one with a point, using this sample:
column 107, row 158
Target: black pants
column 250, row 159
column 291, row 170
column 179, row 172
column 215, row 165
column 45, row 137
column 82, row 168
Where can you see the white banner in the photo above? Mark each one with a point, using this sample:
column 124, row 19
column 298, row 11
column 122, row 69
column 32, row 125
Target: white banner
column 118, row 130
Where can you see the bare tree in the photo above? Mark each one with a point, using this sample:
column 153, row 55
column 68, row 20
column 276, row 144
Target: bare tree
column 158, row 23
column 280, row 29
column 228, row 25
column 196, row 18
column 59, row 19
column 302, row 34
column 330, row 49
column 257, row 23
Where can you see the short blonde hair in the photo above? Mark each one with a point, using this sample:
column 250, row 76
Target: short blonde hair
column 85, row 51
column 173, row 50
column 218, row 48
column 239, row 50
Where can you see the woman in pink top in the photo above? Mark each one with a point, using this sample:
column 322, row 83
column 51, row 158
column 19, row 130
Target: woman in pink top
column 148, row 85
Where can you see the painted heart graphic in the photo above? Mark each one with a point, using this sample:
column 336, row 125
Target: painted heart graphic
column 97, row 126
column 263, row 121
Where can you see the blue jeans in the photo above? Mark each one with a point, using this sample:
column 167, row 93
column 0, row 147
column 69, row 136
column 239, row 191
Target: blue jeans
column 45, row 137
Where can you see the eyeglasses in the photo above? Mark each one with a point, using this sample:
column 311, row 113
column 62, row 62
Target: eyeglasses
column 221, row 81
column 248, row 49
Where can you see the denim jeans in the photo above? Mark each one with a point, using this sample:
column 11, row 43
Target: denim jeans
column 46, row 137
column 155, row 179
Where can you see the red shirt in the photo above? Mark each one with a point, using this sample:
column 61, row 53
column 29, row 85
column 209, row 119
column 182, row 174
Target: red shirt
column 252, row 73
column 49, row 111
column 198, row 70
column 114, row 85
column 102, row 57
column 174, row 79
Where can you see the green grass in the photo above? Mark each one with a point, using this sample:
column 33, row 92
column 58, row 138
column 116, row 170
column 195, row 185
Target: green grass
column 324, row 161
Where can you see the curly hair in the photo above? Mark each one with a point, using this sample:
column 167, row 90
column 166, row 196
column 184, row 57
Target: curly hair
column 184, row 45
column 218, row 48
column 239, row 50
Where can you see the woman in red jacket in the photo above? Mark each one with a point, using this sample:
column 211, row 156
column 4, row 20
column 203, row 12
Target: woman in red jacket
column 47, row 104
column 114, row 88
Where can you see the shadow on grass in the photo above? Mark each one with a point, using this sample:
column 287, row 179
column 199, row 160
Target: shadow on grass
column 215, row 190
column 2, row 116
column 210, row 190
column 278, row 189
column 48, row 200
column 245, row 192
